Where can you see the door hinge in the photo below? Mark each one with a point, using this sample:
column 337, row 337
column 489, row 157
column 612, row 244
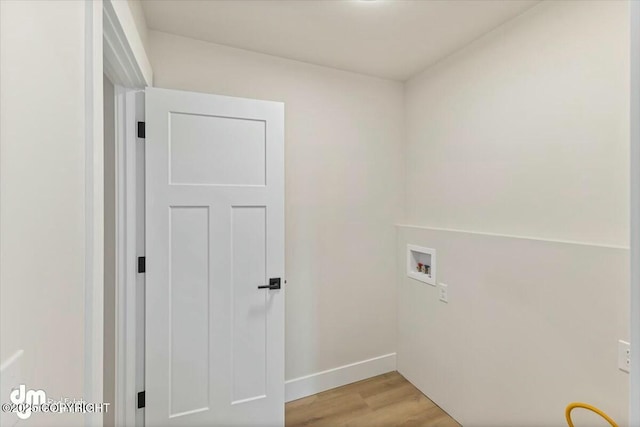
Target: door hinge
column 141, row 399
column 141, row 129
column 142, row 264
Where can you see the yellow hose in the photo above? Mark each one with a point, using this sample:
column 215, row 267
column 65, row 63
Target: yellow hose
column 572, row 406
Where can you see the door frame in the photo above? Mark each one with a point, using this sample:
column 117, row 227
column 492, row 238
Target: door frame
column 127, row 65
column 113, row 47
column 128, row 111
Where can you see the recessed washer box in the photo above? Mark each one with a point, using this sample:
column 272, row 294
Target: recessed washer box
column 421, row 264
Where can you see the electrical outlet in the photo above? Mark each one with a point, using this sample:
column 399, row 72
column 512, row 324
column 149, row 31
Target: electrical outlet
column 443, row 292
column 624, row 356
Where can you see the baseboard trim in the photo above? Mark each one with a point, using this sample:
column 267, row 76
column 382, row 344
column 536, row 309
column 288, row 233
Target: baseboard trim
column 298, row 388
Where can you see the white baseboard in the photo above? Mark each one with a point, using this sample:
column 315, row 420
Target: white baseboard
column 315, row 383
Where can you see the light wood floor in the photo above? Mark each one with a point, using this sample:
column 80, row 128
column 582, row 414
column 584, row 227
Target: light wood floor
column 383, row 401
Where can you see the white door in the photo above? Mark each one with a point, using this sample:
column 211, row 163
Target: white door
column 214, row 240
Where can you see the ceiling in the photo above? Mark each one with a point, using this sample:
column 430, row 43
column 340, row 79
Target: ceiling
column 393, row 39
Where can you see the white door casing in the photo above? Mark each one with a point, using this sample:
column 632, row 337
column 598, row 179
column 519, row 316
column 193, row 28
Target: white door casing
column 214, row 233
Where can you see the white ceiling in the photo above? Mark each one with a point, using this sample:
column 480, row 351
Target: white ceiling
column 393, row 39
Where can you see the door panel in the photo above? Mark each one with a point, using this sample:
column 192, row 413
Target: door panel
column 189, row 309
column 215, row 232
column 249, row 306
column 217, row 150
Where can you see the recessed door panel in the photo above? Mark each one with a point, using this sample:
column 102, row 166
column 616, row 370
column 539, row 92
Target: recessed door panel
column 189, row 313
column 216, row 150
column 249, row 303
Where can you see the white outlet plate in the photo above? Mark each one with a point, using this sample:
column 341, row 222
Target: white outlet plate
column 624, row 356
column 443, row 292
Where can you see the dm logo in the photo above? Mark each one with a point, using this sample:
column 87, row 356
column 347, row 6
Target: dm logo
column 25, row 400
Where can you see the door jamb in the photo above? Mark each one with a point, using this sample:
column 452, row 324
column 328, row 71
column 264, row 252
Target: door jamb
column 126, row 387
column 113, row 47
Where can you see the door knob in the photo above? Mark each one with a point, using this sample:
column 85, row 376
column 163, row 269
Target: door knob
column 273, row 284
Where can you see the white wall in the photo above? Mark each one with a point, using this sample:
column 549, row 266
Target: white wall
column 522, row 133
column 525, row 131
column 343, row 138
column 530, row 326
column 42, row 194
column 137, row 12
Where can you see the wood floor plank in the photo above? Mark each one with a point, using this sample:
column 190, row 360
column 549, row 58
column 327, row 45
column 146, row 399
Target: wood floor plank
column 401, row 393
column 383, row 401
column 326, row 411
